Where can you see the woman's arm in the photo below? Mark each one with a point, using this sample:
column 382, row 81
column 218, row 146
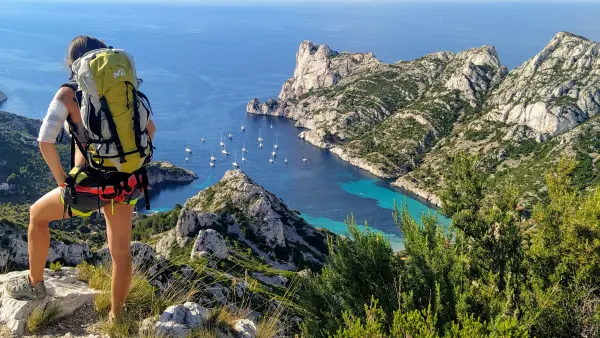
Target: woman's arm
column 53, row 160
column 53, row 122
column 151, row 128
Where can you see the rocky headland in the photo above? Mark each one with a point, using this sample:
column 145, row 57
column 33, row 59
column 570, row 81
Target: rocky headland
column 406, row 120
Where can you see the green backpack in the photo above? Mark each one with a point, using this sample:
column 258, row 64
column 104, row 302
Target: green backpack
column 114, row 113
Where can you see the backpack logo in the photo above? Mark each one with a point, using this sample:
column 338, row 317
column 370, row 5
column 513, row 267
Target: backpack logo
column 119, row 72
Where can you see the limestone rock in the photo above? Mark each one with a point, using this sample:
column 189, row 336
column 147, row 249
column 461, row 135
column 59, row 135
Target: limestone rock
column 244, row 328
column 554, row 91
column 190, row 222
column 239, row 206
column 176, row 321
column 171, row 329
column 64, row 291
column 210, row 242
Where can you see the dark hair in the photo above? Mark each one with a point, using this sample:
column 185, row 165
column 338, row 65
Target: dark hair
column 81, row 45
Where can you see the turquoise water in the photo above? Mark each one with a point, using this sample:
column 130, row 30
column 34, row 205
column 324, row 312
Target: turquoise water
column 387, row 198
column 201, row 65
column 341, row 229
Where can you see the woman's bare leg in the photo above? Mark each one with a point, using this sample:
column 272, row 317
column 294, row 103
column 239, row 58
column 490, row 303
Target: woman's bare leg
column 118, row 233
column 48, row 208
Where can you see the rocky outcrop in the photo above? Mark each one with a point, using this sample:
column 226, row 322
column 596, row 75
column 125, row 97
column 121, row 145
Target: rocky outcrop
column 3, row 97
column 13, row 249
column 209, row 242
column 238, row 208
column 180, row 321
column 388, row 118
column 65, row 292
column 165, row 173
column 554, row 91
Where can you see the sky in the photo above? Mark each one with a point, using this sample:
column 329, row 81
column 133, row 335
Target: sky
column 220, row 2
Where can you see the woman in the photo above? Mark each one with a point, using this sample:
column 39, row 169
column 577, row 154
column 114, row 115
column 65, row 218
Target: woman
column 50, row 207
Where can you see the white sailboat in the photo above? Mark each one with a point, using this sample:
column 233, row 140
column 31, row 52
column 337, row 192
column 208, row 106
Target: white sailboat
column 286, row 160
column 212, row 156
column 261, row 146
column 188, row 149
column 260, row 139
column 242, row 127
column 244, row 148
column 276, row 146
column 203, row 140
column 274, row 153
column 235, row 164
column 222, row 144
column 212, row 164
column 230, row 135
column 243, row 159
column 271, row 160
column 304, row 159
column 224, row 151
column 271, row 126
column 187, row 158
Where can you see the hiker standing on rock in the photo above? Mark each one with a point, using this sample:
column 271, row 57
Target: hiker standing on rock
column 111, row 143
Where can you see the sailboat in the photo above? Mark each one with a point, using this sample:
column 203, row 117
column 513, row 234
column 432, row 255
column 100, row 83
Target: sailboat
column 235, row 164
column 276, row 146
column 224, row 151
column 242, row 127
column 286, row 160
column 304, row 159
column 274, row 153
column 243, row 159
column 212, row 156
column 187, row 158
column 222, row 144
column 203, row 140
column 271, row 160
column 260, row 139
column 212, row 164
column 188, row 149
column 244, row 148
column 261, row 145
column 271, row 126
column 230, row 135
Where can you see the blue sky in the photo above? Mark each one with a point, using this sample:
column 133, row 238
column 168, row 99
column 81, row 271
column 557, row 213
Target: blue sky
column 218, row 2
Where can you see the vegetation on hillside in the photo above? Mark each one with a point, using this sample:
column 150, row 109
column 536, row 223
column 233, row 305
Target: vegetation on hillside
column 496, row 273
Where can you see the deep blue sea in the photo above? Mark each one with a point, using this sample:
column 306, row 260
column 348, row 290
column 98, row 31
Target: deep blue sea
column 202, row 63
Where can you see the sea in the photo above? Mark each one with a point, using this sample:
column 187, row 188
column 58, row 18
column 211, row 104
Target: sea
column 202, row 62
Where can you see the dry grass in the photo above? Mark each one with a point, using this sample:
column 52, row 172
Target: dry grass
column 42, row 317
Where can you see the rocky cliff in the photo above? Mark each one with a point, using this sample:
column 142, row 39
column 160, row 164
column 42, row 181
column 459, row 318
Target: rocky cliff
column 237, row 208
column 404, row 120
column 3, row 97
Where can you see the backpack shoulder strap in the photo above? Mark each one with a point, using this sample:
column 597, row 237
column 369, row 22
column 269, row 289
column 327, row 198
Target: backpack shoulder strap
column 73, row 85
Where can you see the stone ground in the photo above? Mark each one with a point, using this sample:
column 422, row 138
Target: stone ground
column 85, row 322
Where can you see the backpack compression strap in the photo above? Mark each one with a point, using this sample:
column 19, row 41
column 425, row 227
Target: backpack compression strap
column 113, row 129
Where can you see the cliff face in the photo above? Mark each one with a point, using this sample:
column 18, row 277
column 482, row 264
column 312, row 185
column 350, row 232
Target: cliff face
column 554, row 91
column 3, row 97
column 397, row 119
column 238, row 208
